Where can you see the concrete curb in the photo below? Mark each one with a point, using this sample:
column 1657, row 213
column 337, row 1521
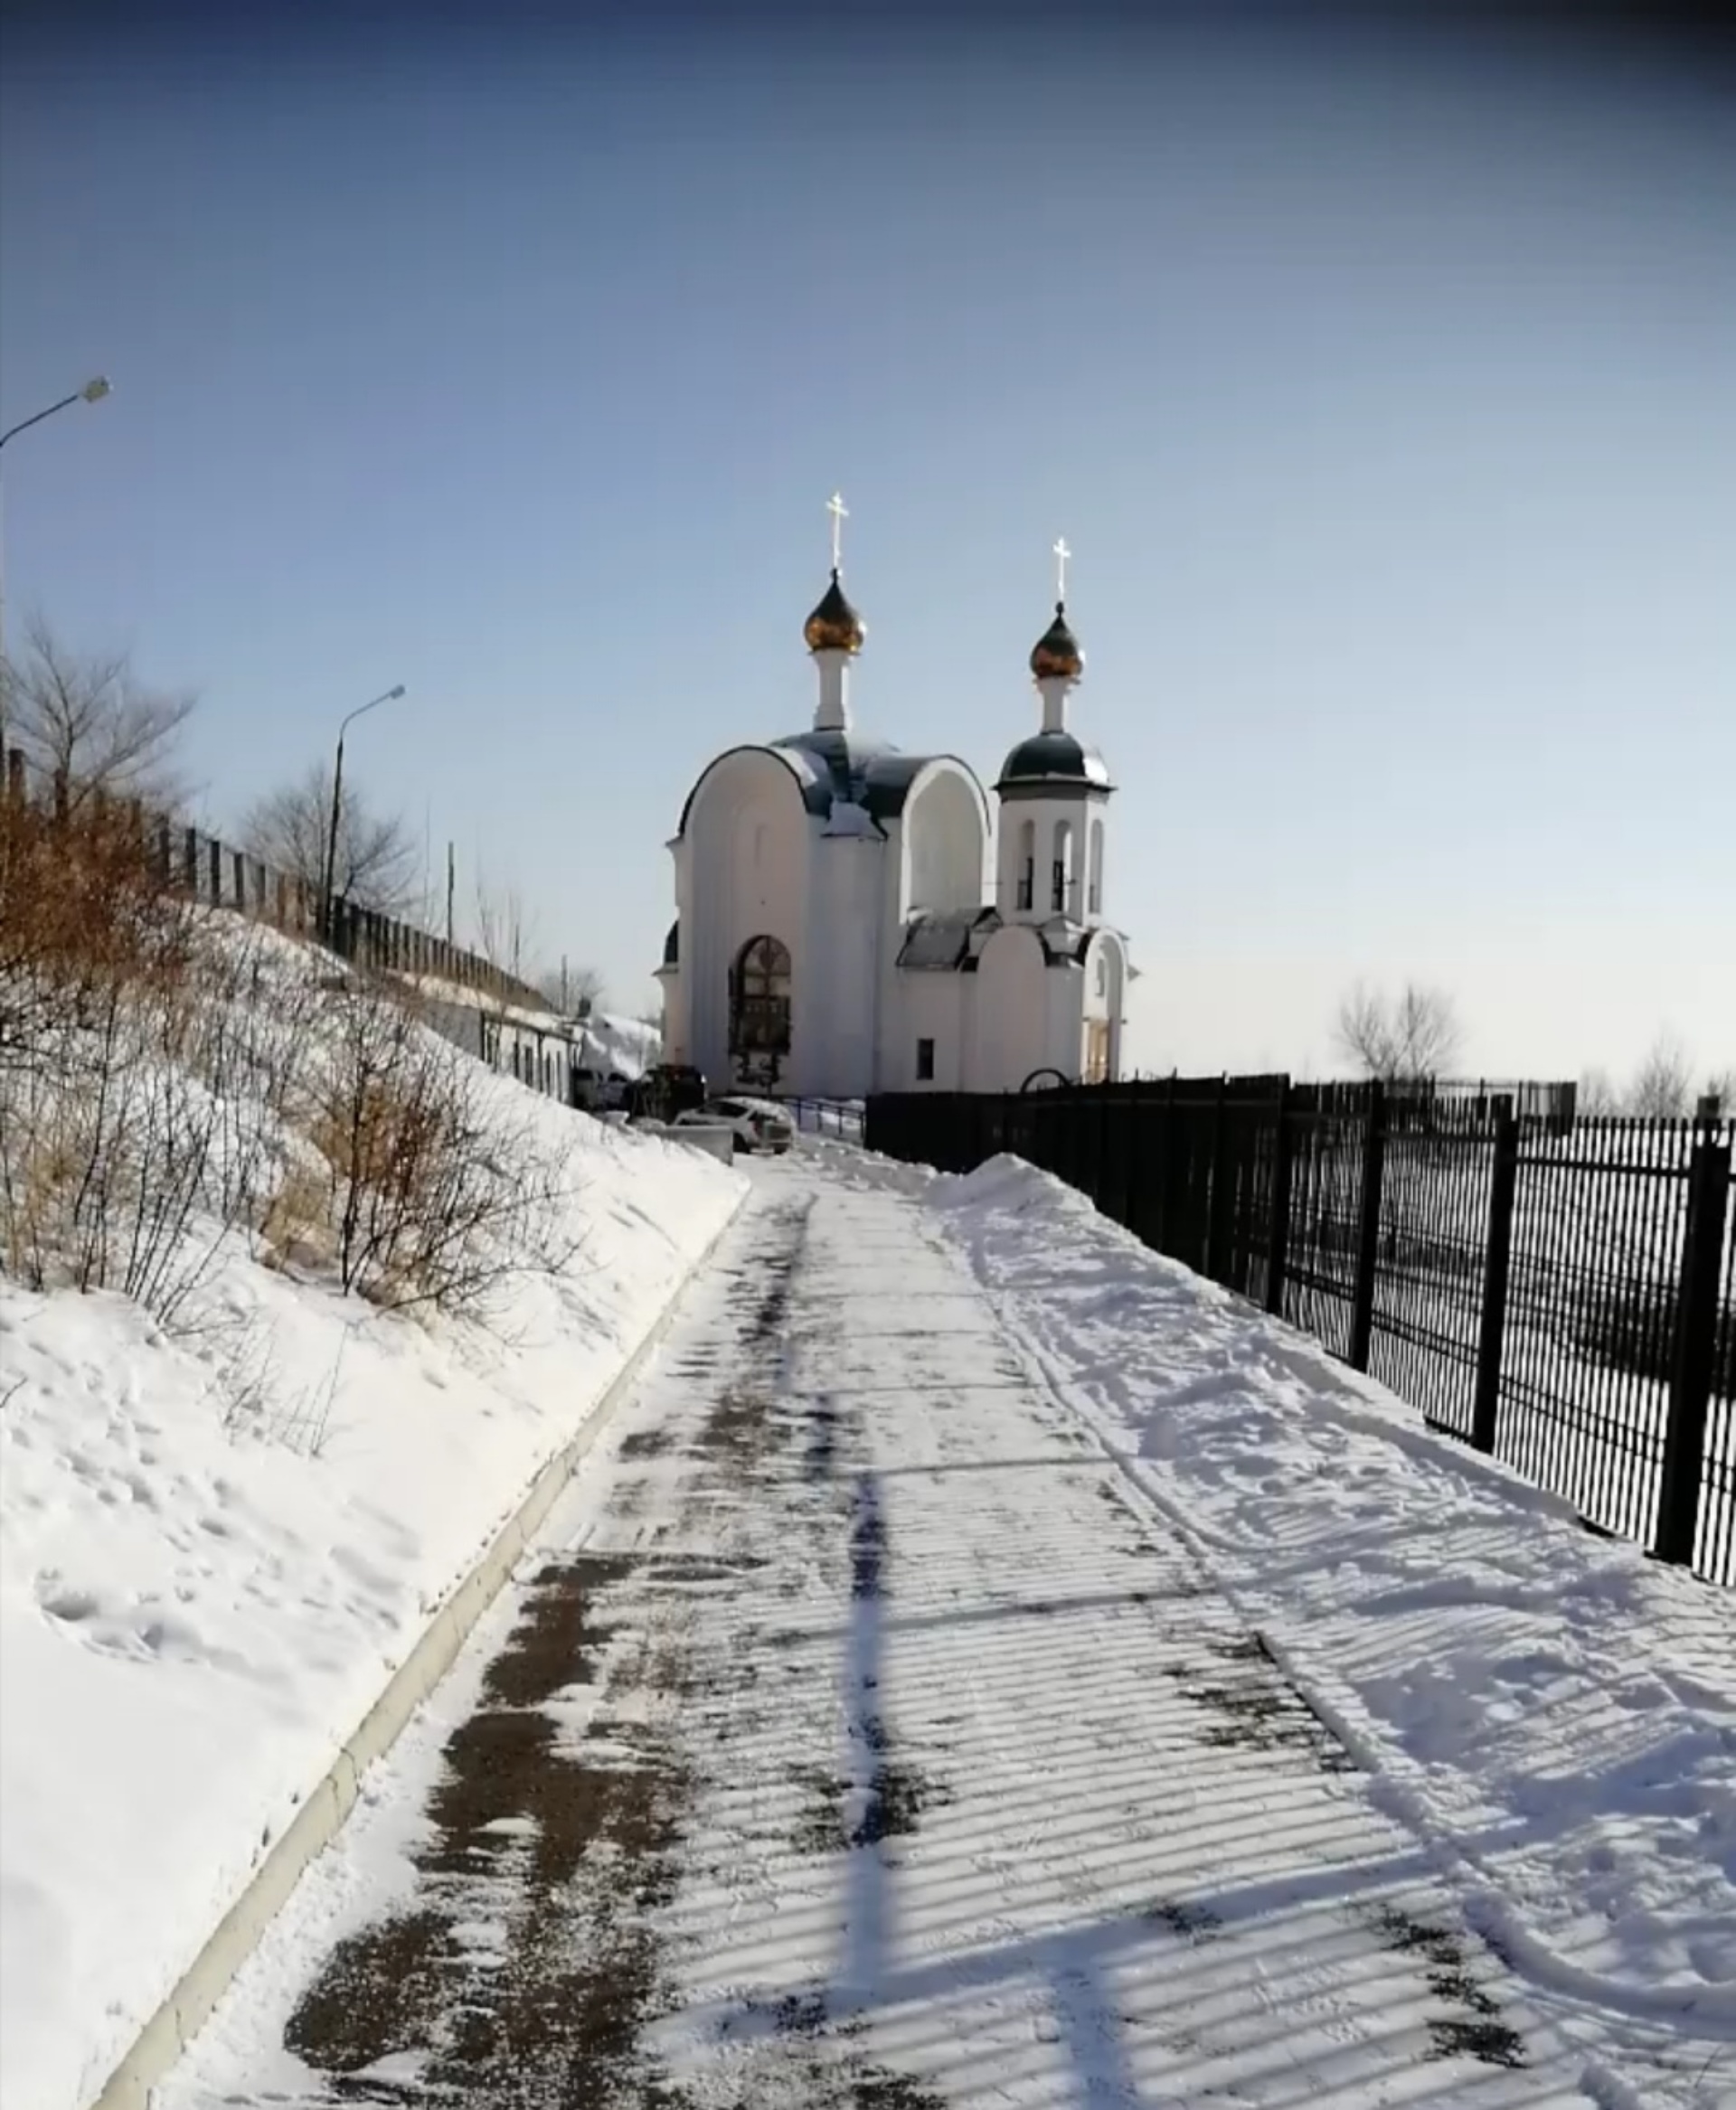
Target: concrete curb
column 160, row 2043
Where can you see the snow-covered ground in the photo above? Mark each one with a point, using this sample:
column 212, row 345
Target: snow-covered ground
column 987, row 1666
column 216, row 1547
column 1553, row 1715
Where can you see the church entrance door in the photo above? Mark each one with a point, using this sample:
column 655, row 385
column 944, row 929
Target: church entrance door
column 760, row 986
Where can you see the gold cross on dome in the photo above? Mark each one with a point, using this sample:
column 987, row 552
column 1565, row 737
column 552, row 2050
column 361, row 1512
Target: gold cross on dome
column 840, row 513
column 1062, row 554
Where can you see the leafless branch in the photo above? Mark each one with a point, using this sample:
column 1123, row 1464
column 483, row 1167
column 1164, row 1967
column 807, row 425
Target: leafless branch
column 1416, row 1035
column 377, row 862
column 85, row 719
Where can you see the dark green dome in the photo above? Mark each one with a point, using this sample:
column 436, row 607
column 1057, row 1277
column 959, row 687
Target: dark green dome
column 1056, row 758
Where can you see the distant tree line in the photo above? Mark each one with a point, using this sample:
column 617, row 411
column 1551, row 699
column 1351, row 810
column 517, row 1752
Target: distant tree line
column 1418, row 1035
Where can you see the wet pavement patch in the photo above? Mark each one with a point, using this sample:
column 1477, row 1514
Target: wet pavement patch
column 1477, row 2033
column 898, row 1795
column 1255, row 1706
column 819, row 1460
column 529, row 1964
column 1194, row 1923
column 646, row 1442
column 867, row 1542
column 822, row 1827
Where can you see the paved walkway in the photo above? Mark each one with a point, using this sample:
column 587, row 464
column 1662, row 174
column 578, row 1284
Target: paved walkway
column 862, row 1744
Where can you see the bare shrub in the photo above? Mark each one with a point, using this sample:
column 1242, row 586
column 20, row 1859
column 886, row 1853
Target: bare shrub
column 433, row 1204
column 84, row 918
column 173, row 1081
column 296, row 1226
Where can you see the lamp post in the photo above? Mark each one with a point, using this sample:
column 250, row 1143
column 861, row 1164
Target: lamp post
column 329, row 879
column 93, row 391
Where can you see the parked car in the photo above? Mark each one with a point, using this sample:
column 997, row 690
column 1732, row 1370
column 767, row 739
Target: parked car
column 758, row 1125
column 617, row 1092
column 755, row 1128
column 775, row 1130
column 666, row 1091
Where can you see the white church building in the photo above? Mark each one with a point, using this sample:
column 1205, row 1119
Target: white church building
column 850, row 918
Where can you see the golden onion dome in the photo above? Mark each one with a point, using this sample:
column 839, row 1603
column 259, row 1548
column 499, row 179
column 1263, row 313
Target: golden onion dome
column 1056, row 655
column 834, row 625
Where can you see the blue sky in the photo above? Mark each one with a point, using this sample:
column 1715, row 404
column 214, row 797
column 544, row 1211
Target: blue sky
column 1385, row 391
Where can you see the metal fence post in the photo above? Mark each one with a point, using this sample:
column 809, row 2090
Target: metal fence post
column 1219, row 1216
column 1503, row 1186
column 1166, row 1153
column 190, row 863
column 1277, row 1236
column 1111, row 1174
column 214, row 858
column 1368, row 1230
column 1683, row 1480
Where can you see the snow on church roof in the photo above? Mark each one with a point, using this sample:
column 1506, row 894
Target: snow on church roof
column 941, row 938
column 850, row 768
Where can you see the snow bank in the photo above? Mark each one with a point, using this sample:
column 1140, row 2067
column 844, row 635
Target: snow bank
column 214, row 1549
column 1553, row 1715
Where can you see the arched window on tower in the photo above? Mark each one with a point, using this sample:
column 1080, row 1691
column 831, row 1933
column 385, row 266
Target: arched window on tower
column 1095, row 896
column 1061, row 878
column 759, row 998
column 1027, row 889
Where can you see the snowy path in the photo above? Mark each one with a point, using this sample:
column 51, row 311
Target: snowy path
column 863, row 1742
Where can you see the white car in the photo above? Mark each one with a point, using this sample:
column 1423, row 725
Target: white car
column 755, row 1127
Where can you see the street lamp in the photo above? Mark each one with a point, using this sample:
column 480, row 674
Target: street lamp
column 93, row 391
column 329, row 878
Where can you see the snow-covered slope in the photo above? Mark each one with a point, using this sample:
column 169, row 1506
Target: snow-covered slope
column 216, row 1547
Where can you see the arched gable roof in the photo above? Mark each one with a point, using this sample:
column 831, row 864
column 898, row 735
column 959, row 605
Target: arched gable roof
column 834, row 767
column 802, row 777
column 924, row 764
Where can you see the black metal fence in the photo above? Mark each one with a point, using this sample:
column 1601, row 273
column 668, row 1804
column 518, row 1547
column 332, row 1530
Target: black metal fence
column 840, row 1118
column 206, row 868
column 1558, row 1292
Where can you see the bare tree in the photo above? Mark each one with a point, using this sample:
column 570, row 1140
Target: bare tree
column 503, row 927
column 1662, row 1086
column 571, row 990
column 1721, row 1085
column 1416, row 1035
column 378, row 863
column 85, row 718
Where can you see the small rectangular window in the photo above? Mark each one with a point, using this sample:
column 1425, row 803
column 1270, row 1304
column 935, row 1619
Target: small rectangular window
column 924, row 1060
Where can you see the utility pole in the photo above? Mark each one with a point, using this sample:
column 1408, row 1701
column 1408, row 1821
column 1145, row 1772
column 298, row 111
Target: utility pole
column 451, row 885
